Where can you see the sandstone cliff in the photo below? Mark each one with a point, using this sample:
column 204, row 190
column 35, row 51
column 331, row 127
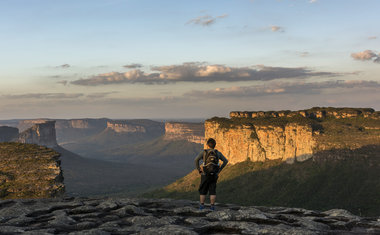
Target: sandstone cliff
column 122, row 126
column 143, row 126
column 262, row 142
column 86, row 123
column 8, row 134
column 29, row 171
column 72, row 130
column 23, row 125
column 289, row 136
column 41, row 134
column 69, row 130
column 192, row 132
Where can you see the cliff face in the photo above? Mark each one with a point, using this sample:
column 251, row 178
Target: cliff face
column 289, row 136
column 125, row 127
column 29, row 171
column 8, row 134
column 26, row 124
column 136, row 126
column 192, row 132
column 41, row 134
column 86, row 123
column 262, row 142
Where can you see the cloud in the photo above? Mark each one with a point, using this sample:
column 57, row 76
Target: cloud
column 98, row 95
column 313, row 1
column 55, row 76
column 132, row 76
column 44, row 96
column 276, row 28
column 280, row 88
column 63, row 82
column 206, row 20
column 200, row 72
column 132, row 66
column 303, row 54
column 59, row 96
column 64, row 66
column 366, row 55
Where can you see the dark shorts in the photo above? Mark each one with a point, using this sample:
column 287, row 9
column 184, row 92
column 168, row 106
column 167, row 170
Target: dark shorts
column 208, row 184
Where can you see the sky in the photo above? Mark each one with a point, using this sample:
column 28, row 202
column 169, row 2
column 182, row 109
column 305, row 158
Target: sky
column 185, row 59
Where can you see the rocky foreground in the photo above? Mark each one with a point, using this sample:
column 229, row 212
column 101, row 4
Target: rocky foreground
column 165, row 216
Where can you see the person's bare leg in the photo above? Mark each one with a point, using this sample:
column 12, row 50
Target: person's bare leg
column 202, row 199
column 212, row 199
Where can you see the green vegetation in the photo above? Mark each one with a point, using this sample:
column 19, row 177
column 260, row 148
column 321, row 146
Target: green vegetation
column 349, row 180
column 226, row 123
column 341, row 110
column 348, row 132
column 28, row 171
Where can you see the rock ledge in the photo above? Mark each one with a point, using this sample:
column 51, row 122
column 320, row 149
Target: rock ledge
column 166, row 216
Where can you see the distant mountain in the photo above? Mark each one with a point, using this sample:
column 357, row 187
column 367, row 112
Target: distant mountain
column 116, row 133
column 75, row 129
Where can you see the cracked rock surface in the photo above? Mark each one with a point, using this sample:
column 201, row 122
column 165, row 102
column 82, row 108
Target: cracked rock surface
column 166, row 216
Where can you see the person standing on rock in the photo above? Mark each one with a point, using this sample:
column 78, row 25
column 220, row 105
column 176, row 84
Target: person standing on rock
column 209, row 171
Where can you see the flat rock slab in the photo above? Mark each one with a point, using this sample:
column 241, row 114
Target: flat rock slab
column 166, row 216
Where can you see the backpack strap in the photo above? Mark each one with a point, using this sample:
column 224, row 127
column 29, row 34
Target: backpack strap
column 204, row 156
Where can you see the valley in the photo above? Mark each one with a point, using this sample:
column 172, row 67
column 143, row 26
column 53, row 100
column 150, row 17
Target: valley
column 308, row 158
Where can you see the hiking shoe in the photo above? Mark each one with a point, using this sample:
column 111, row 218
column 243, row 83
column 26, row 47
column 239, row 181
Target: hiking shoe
column 201, row 207
column 212, row 207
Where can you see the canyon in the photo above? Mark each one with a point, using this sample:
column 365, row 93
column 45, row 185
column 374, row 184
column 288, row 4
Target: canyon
column 99, row 176
column 257, row 144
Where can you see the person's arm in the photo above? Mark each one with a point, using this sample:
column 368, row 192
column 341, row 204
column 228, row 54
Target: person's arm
column 224, row 160
column 199, row 157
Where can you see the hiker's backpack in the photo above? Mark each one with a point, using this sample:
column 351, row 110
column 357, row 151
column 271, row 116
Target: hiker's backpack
column 210, row 162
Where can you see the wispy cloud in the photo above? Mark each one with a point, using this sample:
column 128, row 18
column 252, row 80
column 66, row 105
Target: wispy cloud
column 63, row 66
column 44, row 96
column 279, row 88
column 57, row 96
column 201, row 72
column 303, row 54
column 132, row 66
column 313, row 1
column 367, row 55
column 98, row 95
column 206, row 20
column 63, row 82
column 276, row 28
